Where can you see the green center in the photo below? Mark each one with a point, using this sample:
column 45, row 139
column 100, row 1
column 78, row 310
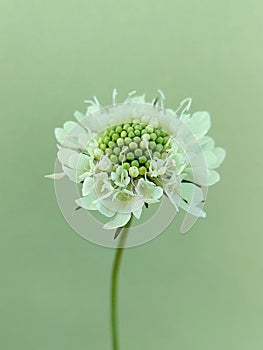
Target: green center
column 134, row 145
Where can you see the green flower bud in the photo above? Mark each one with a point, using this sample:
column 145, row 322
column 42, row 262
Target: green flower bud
column 133, row 171
column 137, row 132
column 133, row 146
column 147, row 164
column 166, row 139
column 142, row 159
column 120, row 142
column 157, row 132
column 123, row 134
column 147, row 153
column 127, row 140
column 142, row 145
column 149, row 129
column 103, row 146
column 131, row 134
column 117, row 150
column 98, row 153
column 135, row 163
column 153, row 136
column 118, row 129
column 157, row 155
column 142, row 170
column 130, row 156
column 115, row 137
column 106, row 140
column 122, row 158
column 159, row 139
column 126, row 126
column 137, row 139
column 146, row 137
column 138, row 152
column 130, row 128
column 152, row 144
column 114, row 159
column 159, row 147
column 108, row 151
column 126, row 166
column 111, row 144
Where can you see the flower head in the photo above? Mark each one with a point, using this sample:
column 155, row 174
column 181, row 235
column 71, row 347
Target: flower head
column 130, row 154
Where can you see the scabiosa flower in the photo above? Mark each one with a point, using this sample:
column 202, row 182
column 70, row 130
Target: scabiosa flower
column 128, row 155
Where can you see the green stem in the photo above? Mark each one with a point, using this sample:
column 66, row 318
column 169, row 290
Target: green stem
column 114, row 287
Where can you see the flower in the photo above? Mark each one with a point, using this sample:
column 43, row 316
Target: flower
column 129, row 155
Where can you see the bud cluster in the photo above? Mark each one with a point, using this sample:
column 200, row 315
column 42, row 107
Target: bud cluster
column 133, row 145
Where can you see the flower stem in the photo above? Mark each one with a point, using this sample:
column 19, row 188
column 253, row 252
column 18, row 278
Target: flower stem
column 114, row 286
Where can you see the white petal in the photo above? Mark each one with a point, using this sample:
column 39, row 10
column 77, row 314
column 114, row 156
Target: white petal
column 191, row 193
column 88, row 202
column 207, row 143
column 210, row 158
column 137, row 213
column 78, row 115
column 88, row 186
column 220, row 154
column 60, row 135
column 174, row 198
column 213, row 177
column 55, row 176
column 104, row 210
column 64, row 155
column 192, row 209
column 120, row 220
column 200, row 123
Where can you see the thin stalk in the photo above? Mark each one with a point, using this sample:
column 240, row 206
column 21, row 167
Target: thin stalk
column 114, row 286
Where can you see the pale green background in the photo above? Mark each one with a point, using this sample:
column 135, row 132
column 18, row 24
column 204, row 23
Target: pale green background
column 199, row 291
